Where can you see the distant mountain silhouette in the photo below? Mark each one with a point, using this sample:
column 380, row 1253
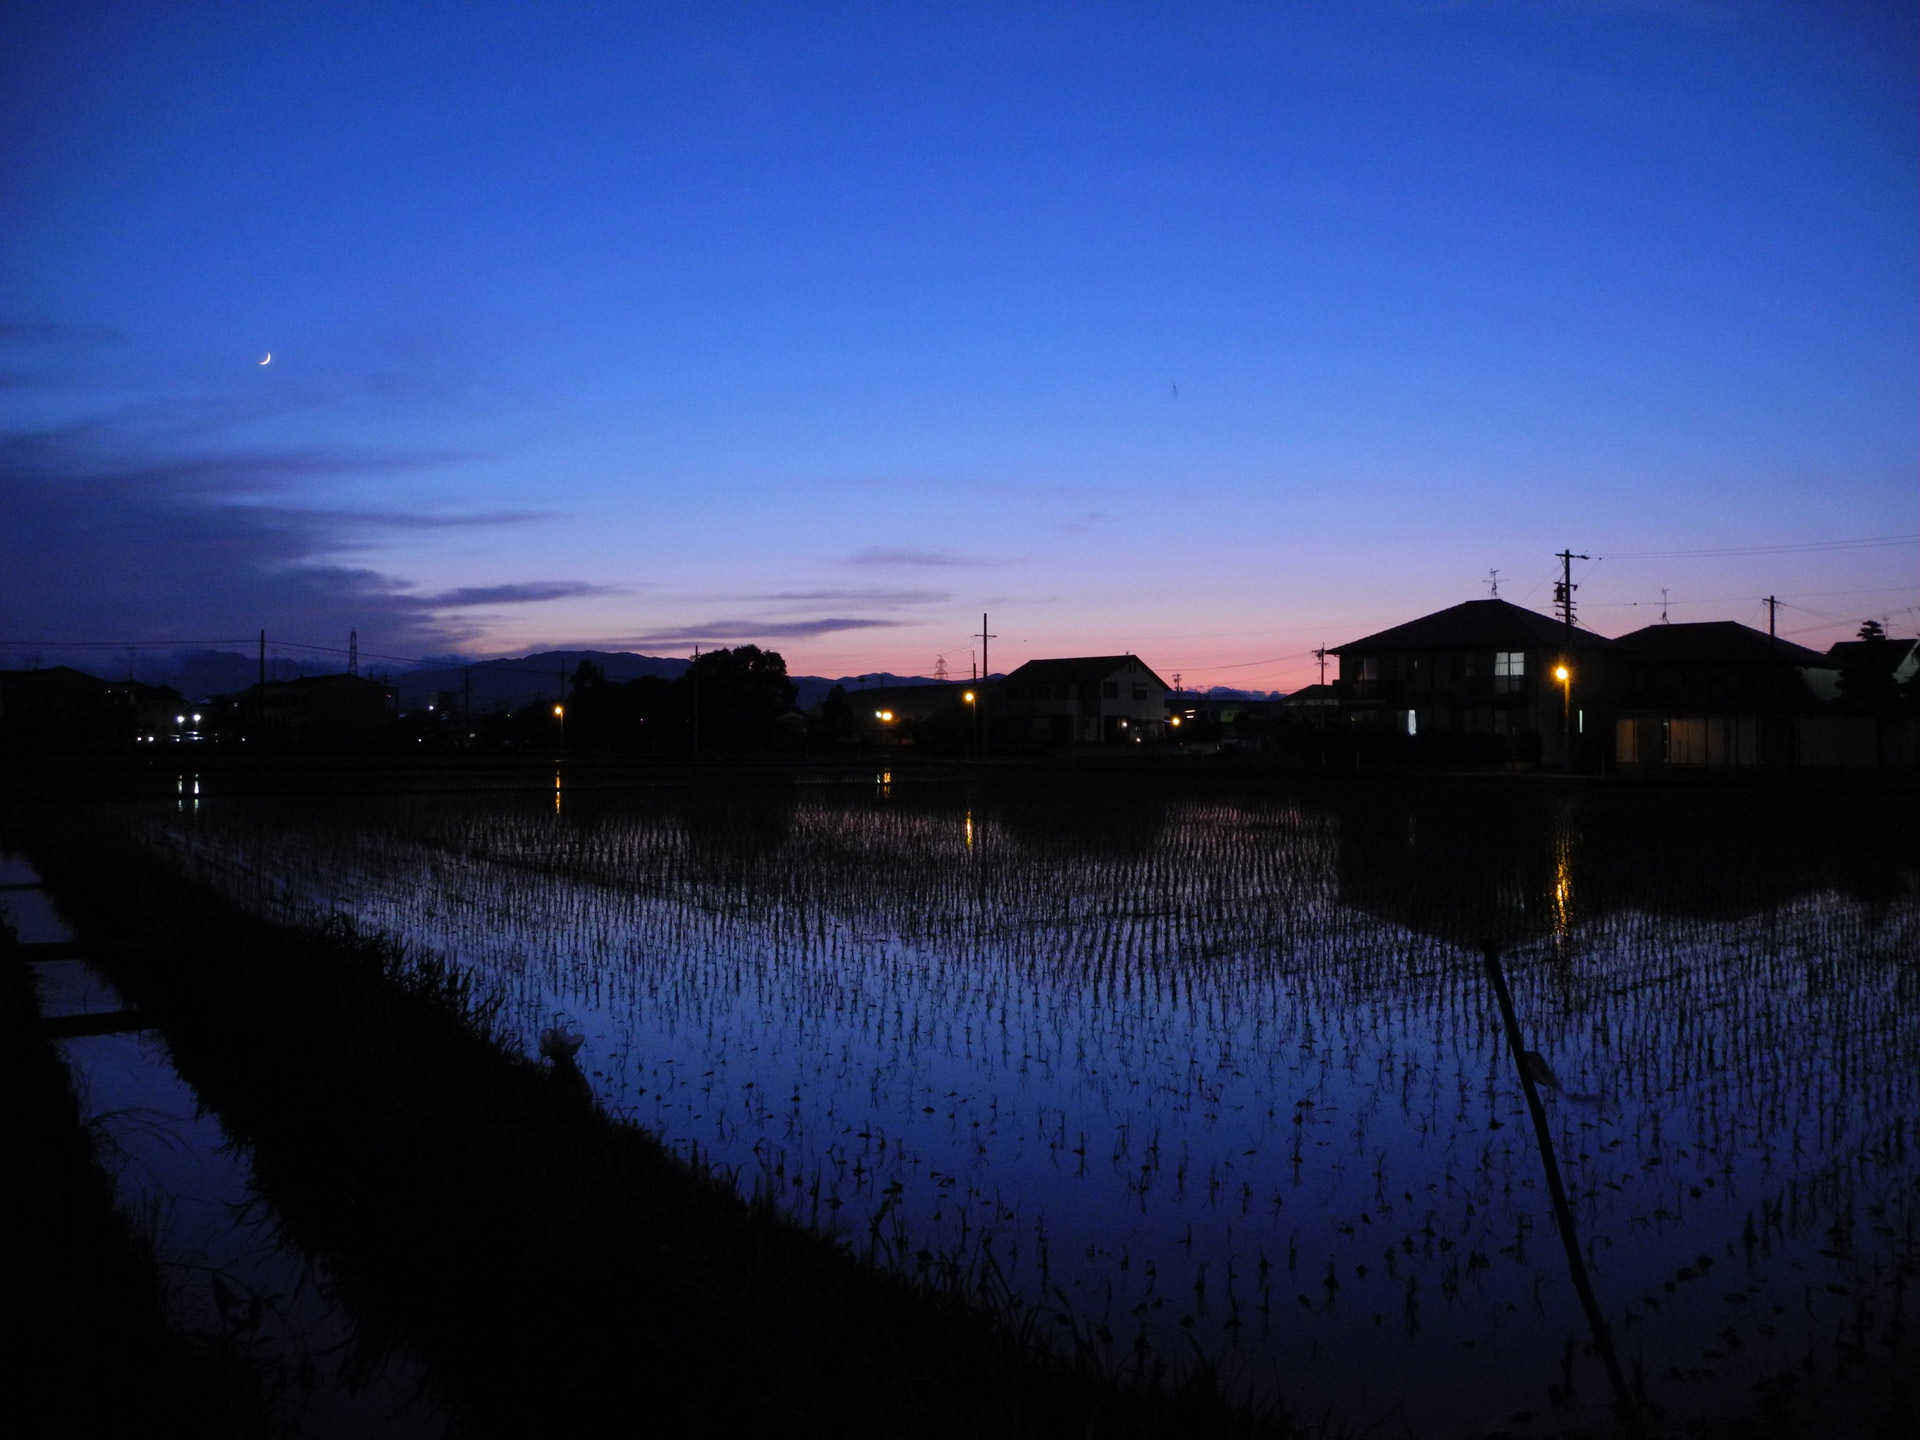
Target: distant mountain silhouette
column 509, row 684
column 495, row 684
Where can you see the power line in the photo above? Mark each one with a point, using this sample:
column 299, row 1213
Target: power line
column 1806, row 547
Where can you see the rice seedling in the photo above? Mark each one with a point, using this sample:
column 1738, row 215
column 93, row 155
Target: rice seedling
column 1218, row 1072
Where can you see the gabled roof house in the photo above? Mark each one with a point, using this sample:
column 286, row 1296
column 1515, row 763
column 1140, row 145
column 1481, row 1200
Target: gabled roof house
column 1481, row 667
column 1085, row 700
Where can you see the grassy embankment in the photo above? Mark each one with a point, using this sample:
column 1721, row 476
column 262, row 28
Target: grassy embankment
column 553, row 1266
column 90, row 1352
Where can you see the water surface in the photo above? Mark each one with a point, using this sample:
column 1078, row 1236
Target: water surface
column 1218, row 1074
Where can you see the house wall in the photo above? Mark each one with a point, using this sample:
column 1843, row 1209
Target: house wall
column 1127, row 702
column 1739, row 742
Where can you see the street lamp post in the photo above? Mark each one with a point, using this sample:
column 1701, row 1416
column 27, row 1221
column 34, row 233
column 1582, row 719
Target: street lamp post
column 560, row 714
column 974, row 711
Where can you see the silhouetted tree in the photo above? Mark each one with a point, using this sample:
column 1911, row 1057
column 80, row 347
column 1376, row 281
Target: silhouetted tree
column 1866, row 678
column 740, row 693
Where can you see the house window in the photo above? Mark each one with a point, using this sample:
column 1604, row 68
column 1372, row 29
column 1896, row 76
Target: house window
column 1413, row 722
column 1509, row 670
column 1110, row 690
column 1369, row 667
column 1139, row 692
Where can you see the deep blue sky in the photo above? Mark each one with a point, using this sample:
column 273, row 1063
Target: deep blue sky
column 1213, row 332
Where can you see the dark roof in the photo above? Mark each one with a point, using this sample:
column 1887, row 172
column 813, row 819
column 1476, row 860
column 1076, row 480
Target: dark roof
column 1078, row 670
column 1892, row 650
column 1313, row 695
column 1717, row 642
column 1478, row 625
column 55, row 675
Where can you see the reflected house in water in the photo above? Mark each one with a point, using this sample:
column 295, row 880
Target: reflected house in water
column 1095, row 699
column 1484, row 667
column 1463, row 862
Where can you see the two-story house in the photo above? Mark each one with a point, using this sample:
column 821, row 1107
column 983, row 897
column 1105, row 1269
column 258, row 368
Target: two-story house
column 1484, row 667
column 1084, row 700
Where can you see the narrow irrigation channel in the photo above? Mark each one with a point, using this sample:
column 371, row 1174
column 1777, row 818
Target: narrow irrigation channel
column 258, row 1337
column 552, row 1268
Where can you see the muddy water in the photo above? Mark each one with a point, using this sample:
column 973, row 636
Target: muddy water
column 1221, row 1075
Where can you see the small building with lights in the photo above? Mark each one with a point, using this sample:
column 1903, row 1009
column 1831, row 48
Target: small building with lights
column 1093, row 699
column 1718, row 695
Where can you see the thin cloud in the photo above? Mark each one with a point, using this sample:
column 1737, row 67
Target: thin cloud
column 752, row 631
column 530, row 593
column 1086, row 520
column 875, row 555
column 867, row 597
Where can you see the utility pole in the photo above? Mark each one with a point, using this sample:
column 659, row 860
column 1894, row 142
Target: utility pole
column 466, row 694
column 263, row 657
column 1772, row 602
column 986, row 671
column 1321, row 656
column 696, row 700
column 1563, row 597
column 353, row 652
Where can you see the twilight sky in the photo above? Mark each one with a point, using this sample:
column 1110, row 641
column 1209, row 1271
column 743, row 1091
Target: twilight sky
column 1212, row 332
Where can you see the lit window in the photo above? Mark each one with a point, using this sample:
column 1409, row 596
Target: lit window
column 1509, row 670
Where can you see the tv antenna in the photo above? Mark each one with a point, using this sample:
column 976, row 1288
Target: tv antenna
column 1663, row 606
column 1493, row 585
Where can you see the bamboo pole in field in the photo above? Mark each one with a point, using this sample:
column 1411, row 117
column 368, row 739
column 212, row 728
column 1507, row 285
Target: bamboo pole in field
column 1576, row 1263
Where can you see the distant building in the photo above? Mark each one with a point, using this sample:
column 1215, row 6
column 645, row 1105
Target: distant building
column 1084, row 700
column 318, row 712
column 60, row 708
column 1484, row 667
column 884, row 713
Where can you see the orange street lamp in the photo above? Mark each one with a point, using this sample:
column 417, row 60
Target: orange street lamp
column 560, row 714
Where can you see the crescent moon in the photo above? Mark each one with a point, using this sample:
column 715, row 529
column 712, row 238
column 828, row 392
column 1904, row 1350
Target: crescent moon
column 269, row 359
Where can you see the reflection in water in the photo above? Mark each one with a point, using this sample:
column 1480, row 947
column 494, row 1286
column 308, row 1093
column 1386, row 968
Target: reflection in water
column 1562, row 885
column 1224, row 1072
column 232, row 1278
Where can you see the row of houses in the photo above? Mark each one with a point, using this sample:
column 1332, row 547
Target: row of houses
column 1713, row 694
column 1492, row 680
column 59, row 709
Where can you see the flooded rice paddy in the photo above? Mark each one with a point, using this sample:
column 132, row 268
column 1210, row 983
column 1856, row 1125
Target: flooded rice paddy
column 1218, row 1077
